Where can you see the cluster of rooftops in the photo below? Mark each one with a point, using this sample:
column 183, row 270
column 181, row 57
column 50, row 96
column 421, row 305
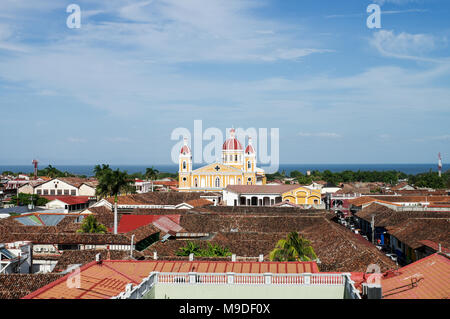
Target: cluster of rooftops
column 151, row 238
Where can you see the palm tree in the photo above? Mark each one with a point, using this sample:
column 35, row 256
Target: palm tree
column 112, row 183
column 190, row 248
column 293, row 248
column 99, row 170
column 152, row 174
column 91, row 225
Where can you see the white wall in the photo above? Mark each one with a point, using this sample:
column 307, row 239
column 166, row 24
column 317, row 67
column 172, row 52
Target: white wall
column 86, row 190
column 50, row 185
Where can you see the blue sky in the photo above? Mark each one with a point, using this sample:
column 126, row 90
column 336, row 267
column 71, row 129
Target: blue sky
column 113, row 90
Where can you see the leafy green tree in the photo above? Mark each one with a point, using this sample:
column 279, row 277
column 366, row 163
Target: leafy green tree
column 112, row 183
column 190, row 248
column 26, row 199
column 91, row 225
column 151, row 173
column 53, row 172
column 293, row 248
column 99, row 170
column 211, row 250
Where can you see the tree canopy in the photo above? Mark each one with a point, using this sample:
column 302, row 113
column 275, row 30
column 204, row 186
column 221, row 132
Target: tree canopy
column 429, row 179
column 112, row 183
column 26, row 199
column 210, row 251
column 91, row 225
column 293, row 248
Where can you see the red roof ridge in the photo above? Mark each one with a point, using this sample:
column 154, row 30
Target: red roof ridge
column 56, row 282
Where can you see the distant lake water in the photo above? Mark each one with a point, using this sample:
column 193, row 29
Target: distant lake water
column 171, row 168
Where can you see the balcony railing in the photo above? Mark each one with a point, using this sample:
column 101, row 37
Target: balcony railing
column 304, row 279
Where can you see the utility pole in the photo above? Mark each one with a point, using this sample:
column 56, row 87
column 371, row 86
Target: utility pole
column 372, row 224
column 440, row 165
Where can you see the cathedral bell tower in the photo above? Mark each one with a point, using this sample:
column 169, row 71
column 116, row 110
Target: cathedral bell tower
column 185, row 166
column 249, row 158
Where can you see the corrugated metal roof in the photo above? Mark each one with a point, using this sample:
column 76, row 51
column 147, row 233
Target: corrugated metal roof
column 29, row 221
column 51, row 220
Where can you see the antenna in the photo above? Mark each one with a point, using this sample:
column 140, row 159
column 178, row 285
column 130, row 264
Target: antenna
column 35, row 163
column 440, row 165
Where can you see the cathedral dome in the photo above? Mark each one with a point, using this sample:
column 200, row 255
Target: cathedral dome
column 232, row 143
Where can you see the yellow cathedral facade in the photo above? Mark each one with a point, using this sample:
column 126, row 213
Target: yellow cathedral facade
column 237, row 167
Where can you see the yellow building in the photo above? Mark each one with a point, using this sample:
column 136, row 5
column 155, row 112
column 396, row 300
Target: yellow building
column 270, row 195
column 238, row 167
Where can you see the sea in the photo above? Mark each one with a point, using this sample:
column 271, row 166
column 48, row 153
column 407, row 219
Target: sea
column 172, row 168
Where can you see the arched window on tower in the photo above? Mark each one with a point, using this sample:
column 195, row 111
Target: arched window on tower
column 217, row 183
column 235, row 158
column 249, row 165
column 195, row 182
column 184, row 164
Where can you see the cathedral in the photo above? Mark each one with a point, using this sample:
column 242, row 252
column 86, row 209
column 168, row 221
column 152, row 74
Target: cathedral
column 238, row 167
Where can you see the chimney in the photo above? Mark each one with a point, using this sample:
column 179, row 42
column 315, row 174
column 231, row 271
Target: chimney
column 191, row 257
column 98, row 259
column 128, row 287
column 155, row 255
column 261, row 258
column 440, row 248
column 233, row 257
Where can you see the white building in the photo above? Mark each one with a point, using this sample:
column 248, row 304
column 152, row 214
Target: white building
column 15, row 257
column 69, row 186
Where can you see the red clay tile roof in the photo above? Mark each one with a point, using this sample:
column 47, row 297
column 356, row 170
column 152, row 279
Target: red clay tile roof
column 414, row 230
column 201, row 202
column 434, row 246
column 131, row 222
column 16, row 286
column 427, row 278
column 249, row 234
column 156, row 198
column 69, row 200
column 108, row 279
column 72, row 257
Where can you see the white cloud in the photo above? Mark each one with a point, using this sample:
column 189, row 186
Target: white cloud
column 76, row 140
column 118, row 139
column 321, row 134
column 403, row 45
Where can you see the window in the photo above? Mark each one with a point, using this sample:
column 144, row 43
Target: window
column 195, row 183
column 217, row 183
column 239, row 181
column 184, row 164
column 45, row 191
column 38, row 192
column 249, row 165
column 59, row 191
column 66, row 192
column 73, row 192
column 235, row 158
column 184, row 179
column 52, row 192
